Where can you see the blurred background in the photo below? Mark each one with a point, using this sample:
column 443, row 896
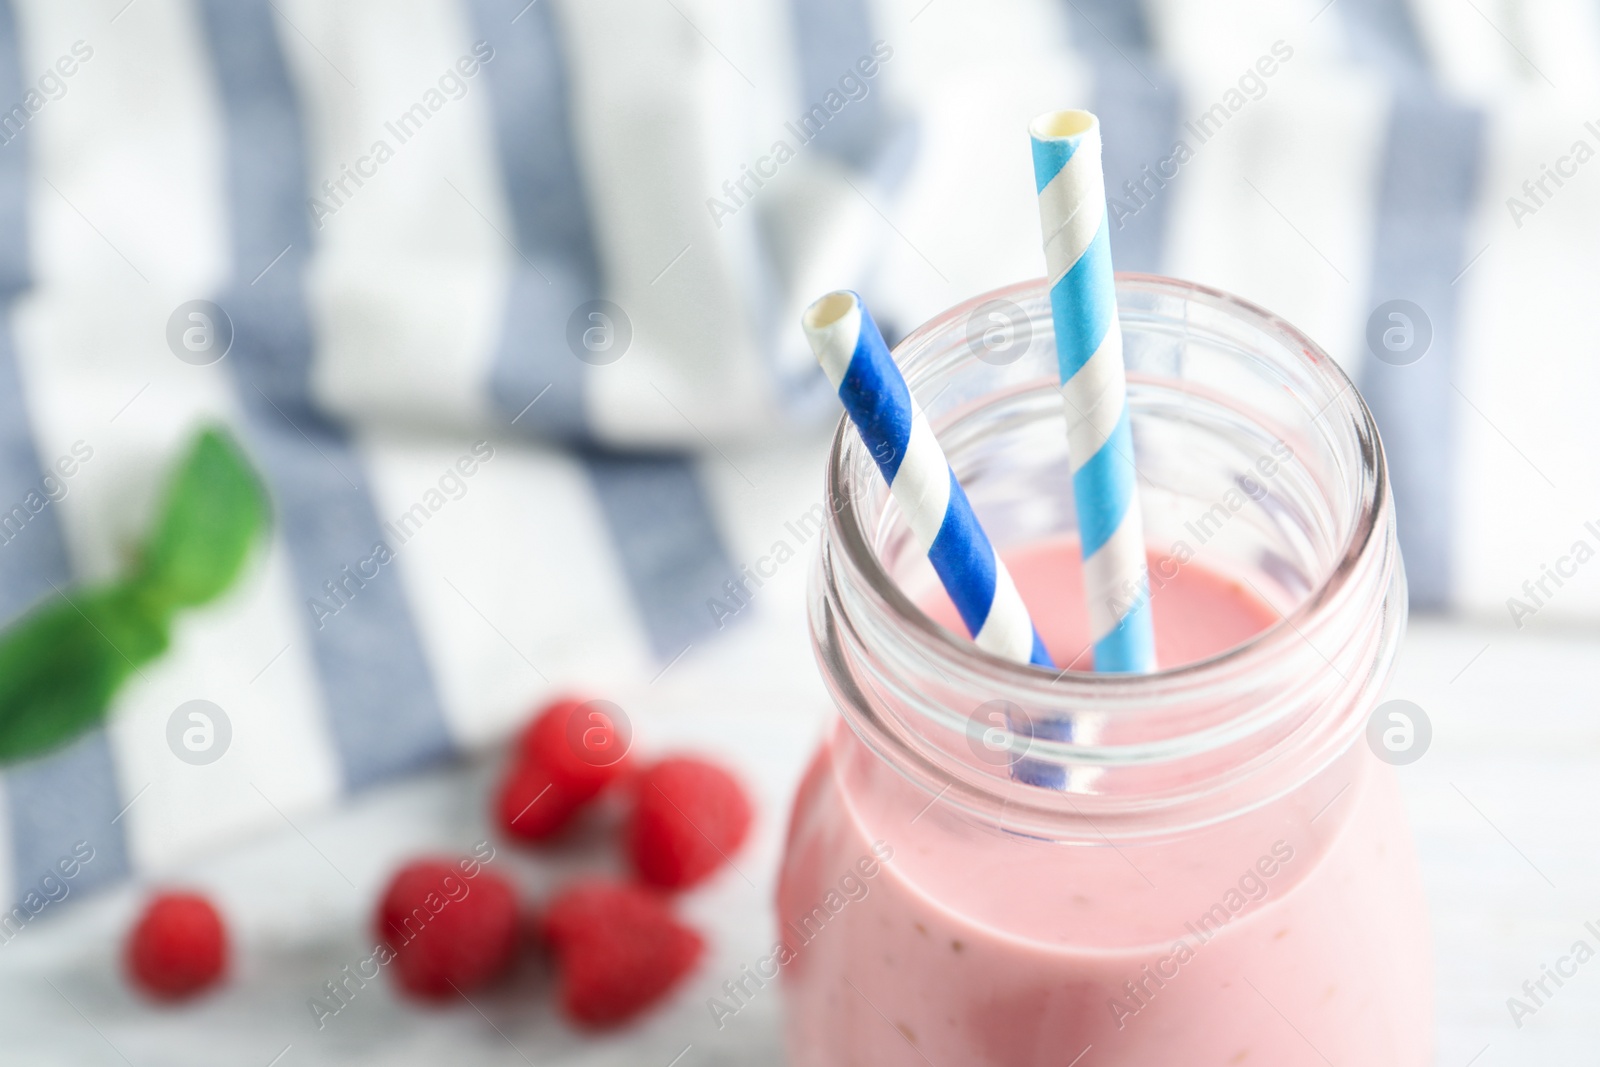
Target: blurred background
column 566, row 244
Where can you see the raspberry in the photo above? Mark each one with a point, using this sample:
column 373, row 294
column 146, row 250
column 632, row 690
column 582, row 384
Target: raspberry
column 583, row 744
column 619, row 949
column 689, row 816
column 570, row 752
column 449, row 932
column 178, row 947
column 530, row 806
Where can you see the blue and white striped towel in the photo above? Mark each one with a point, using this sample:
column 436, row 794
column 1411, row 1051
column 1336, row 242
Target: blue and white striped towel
column 393, row 306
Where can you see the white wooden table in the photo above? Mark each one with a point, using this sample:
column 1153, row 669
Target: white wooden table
column 1504, row 805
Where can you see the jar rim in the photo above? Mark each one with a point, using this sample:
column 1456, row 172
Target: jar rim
column 1136, row 755
column 849, row 533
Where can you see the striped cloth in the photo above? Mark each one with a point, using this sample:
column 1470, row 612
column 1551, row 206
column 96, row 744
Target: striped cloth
column 406, row 209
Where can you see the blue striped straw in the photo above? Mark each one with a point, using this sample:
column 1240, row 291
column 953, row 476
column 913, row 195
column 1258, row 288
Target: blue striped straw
column 1083, row 304
column 853, row 355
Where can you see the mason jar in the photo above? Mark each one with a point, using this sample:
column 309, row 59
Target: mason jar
column 1223, row 874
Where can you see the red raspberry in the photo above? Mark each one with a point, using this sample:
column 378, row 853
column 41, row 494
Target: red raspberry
column 570, row 752
column 449, row 932
column 689, row 816
column 530, row 806
column 583, row 744
column 619, row 949
column 178, row 947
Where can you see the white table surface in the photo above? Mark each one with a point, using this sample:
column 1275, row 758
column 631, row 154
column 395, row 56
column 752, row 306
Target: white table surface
column 1504, row 808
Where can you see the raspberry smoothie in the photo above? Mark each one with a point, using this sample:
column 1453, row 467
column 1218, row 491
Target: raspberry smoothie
column 1290, row 934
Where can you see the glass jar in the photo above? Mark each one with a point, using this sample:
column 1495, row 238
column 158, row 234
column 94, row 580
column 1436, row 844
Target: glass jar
column 1225, row 876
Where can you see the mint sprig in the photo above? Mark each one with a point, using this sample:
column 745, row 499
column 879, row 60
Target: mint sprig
column 63, row 661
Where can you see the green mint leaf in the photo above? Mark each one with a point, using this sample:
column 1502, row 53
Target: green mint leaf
column 61, row 663
column 215, row 511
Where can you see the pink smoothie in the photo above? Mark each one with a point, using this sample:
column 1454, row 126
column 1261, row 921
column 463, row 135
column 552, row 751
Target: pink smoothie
column 1294, row 936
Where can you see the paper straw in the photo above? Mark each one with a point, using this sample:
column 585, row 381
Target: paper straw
column 1083, row 304
column 853, row 355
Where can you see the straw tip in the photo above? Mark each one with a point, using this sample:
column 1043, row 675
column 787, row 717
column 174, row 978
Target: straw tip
column 828, row 309
column 1064, row 125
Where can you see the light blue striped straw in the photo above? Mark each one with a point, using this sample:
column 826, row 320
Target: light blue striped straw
column 1083, row 305
column 856, row 360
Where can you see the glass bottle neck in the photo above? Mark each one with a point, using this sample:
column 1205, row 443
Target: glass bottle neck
column 1215, row 385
